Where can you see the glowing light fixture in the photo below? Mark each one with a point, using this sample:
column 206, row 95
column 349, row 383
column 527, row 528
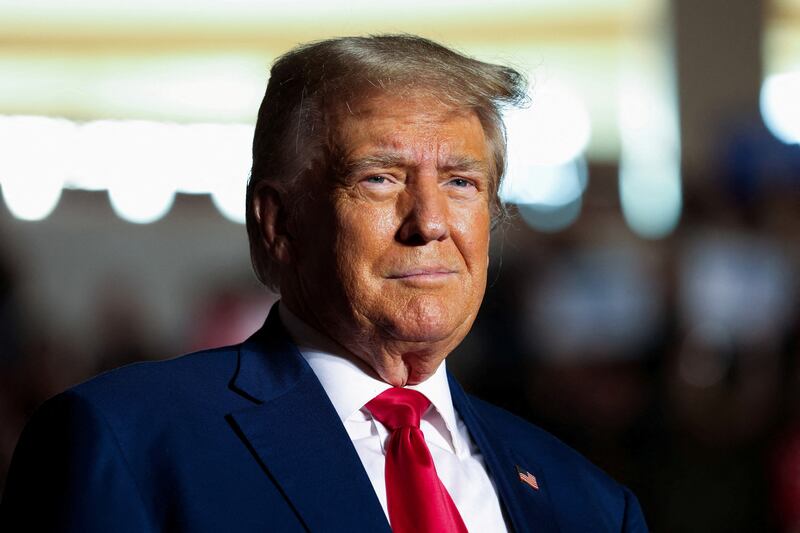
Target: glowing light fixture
column 558, row 203
column 230, row 167
column 651, row 197
column 218, row 87
column 31, row 199
column 554, row 129
column 551, row 186
column 649, row 177
column 36, row 153
column 142, row 164
column 139, row 168
column 140, row 203
column 229, row 198
column 546, row 171
column 780, row 105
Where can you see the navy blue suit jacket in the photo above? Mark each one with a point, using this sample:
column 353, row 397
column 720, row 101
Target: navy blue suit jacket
column 244, row 438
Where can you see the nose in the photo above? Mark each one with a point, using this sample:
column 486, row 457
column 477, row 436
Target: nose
column 426, row 218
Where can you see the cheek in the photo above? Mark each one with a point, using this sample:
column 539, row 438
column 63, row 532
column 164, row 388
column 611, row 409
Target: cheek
column 471, row 228
column 364, row 233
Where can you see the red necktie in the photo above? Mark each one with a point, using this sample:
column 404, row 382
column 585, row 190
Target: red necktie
column 416, row 498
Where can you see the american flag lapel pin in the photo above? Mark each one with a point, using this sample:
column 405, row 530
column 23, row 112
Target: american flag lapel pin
column 527, row 478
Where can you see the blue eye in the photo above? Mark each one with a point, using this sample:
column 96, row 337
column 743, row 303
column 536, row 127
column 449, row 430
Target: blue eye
column 376, row 179
column 460, row 182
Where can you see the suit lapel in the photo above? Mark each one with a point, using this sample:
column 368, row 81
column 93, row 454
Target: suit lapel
column 526, row 508
column 297, row 437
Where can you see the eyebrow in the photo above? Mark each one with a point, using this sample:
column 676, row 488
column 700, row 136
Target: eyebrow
column 395, row 160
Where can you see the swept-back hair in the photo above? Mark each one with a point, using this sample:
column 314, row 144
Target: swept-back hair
column 310, row 84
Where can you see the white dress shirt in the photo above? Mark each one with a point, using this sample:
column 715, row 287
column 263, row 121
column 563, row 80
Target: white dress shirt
column 351, row 384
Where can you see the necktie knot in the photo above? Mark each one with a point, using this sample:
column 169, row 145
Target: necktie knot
column 397, row 407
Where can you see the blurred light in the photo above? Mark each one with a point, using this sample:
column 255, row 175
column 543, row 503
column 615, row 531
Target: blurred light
column 780, row 106
column 220, row 87
column 546, row 172
column 553, row 197
column 31, row 200
column 37, row 152
column 95, row 155
column 649, row 175
column 228, row 168
column 179, row 86
column 551, row 186
column 281, row 12
column 140, row 203
column 206, row 155
column 651, row 198
column 595, row 303
column 742, row 283
column 142, row 164
column 229, row 198
column 139, row 167
column 551, row 219
column 554, row 129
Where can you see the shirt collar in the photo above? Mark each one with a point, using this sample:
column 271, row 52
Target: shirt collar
column 350, row 383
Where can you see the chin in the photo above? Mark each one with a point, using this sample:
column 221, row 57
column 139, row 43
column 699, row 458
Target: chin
column 428, row 333
column 422, row 328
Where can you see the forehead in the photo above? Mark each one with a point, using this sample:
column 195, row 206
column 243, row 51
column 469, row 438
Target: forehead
column 418, row 127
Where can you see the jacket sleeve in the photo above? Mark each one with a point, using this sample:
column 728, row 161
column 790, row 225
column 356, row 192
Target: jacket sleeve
column 633, row 521
column 68, row 473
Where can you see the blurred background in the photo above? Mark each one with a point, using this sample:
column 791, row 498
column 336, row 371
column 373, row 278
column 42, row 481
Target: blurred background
column 643, row 302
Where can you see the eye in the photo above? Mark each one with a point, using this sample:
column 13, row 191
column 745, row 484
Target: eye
column 379, row 184
column 460, row 182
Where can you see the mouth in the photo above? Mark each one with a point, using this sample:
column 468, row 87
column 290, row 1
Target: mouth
column 424, row 274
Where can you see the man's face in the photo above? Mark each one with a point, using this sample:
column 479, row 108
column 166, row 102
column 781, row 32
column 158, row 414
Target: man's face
column 390, row 258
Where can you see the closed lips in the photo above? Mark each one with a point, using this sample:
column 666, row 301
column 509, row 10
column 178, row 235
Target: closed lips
column 422, row 272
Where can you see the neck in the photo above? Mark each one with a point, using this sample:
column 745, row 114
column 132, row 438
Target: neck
column 398, row 363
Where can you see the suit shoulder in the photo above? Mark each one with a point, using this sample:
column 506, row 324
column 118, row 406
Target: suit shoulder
column 150, row 384
column 151, row 372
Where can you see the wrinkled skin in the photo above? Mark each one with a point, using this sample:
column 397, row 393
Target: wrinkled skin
column 389, row 258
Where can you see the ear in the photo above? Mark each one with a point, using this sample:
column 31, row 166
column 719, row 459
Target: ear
column 271, row 214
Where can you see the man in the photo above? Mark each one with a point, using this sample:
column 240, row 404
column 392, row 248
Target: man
column 376, row 166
